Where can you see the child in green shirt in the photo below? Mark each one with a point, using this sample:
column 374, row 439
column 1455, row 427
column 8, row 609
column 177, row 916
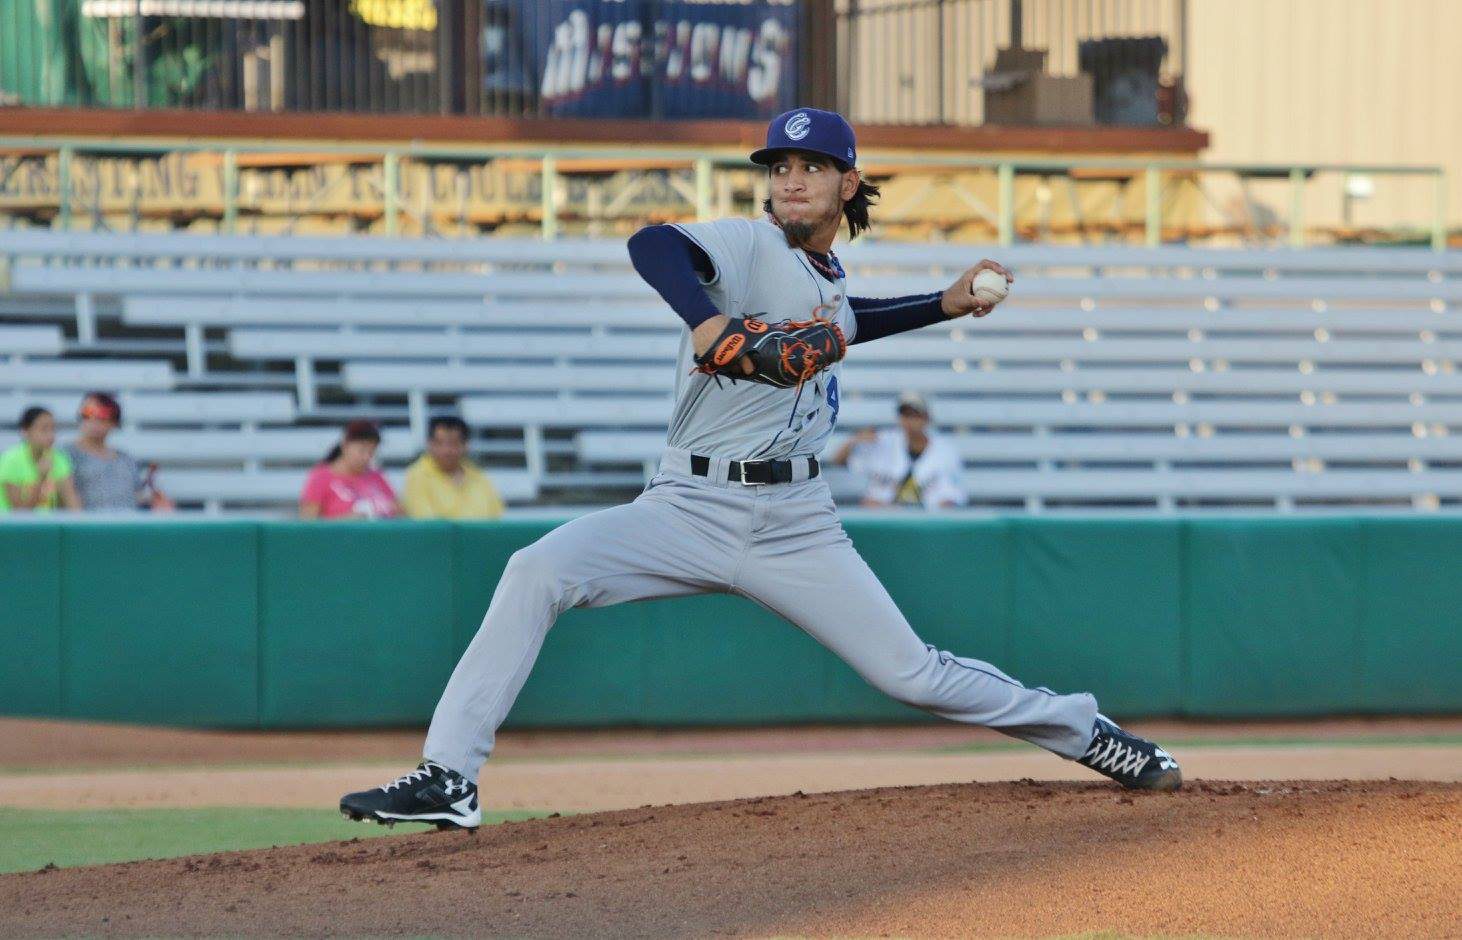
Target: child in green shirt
column 33, row 474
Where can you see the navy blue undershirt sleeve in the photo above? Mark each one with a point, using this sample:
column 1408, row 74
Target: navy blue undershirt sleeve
column 884, row 316
column 677, row 268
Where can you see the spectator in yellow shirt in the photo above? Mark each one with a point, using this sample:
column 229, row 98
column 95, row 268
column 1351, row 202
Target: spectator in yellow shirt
column 443, row 483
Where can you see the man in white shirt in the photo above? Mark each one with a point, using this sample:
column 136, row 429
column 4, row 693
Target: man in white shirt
column 906, row 466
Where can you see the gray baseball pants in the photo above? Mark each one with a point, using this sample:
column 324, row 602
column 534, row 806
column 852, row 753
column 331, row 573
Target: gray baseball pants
column 692, row 535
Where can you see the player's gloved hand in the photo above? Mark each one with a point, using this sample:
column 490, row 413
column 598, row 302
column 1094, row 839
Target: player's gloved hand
column 783, row 355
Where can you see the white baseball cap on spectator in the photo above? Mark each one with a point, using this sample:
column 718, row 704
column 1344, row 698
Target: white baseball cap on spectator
column 914, row 402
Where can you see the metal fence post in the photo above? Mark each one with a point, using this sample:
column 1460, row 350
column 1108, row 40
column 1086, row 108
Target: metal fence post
column 1439, row 213
column 230, row 190
column 1005, row 174
column 1153, row 219
column 63, row 185
column 391, row 197
column 1296, row 207
column 702, row 190
column 139, row 59
column 550, row 202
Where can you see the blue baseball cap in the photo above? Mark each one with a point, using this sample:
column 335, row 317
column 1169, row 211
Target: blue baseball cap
column 814, row 131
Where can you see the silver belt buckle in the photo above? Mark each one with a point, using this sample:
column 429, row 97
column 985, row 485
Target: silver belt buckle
column 744, row 481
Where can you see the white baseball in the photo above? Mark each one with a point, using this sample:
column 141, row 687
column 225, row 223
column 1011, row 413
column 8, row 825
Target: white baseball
column 989, row 287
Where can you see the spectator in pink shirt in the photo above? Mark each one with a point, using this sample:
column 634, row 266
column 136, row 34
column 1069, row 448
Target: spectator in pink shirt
column 345, row 485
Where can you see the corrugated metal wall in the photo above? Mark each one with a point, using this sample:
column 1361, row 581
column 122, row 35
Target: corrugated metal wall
column 921, row 61
column 1338, row 81
column 1325, row 81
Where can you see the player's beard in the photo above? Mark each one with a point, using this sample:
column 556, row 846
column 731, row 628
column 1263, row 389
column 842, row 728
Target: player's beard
column 799, row 234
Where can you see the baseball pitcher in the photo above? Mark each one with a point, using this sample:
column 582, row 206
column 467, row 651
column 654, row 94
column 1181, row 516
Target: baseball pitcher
column 737, row 505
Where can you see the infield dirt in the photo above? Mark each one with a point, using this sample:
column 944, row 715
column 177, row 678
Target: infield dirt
column 1252, row 859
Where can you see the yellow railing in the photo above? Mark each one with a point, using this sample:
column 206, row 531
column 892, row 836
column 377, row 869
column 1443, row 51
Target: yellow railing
column 702, row 188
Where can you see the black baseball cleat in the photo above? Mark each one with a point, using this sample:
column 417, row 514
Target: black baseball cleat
column 431, row 794
column 1135, row 763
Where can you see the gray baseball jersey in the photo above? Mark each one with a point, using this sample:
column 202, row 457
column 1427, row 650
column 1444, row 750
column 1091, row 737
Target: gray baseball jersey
column 698, row 534
column 758, row 274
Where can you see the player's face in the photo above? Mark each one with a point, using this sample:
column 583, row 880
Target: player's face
column 809, row 190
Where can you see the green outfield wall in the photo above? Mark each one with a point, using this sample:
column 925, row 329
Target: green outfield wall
column 249, row 624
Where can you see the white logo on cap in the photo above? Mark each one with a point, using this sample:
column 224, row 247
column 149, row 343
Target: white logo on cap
column 798, row 125
column 850, row 153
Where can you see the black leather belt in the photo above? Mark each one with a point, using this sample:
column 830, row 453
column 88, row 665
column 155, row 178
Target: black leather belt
column 757, row 472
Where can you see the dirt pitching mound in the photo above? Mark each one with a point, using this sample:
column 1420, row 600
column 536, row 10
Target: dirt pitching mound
column 1329, row 858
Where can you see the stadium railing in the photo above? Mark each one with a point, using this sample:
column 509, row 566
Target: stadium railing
column 697, row 185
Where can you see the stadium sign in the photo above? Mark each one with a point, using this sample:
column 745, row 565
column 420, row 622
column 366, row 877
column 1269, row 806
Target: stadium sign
column 634, row 58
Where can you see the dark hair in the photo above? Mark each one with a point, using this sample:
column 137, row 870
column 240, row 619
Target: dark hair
column 855, row 210
column 450, row 422
column 30, row 415
column 354, row 431
column 108, row 402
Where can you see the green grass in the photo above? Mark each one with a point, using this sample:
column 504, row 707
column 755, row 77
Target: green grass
column 34, row 838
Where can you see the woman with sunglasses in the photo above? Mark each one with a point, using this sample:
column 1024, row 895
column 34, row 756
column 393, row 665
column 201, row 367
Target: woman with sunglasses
column 108, row 479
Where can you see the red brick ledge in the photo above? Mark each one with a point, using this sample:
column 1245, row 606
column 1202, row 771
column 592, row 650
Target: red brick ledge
column 108, row 123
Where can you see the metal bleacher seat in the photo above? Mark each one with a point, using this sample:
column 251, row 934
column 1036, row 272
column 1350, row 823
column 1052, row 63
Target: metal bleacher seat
column 163, row 245
column 1010, row 448
column 399, row 344
column 553, row 411
column 418, row 379
column 344, row 315
column 85, row 374
column 30, row 341
column 196, row 310
column 974, row 345
column 297, row 283
column 234, row 409
column 214, row 489
column 871, row 253
column 616, row 286
column 279, row 489
column 298, row 446
column 56, row 246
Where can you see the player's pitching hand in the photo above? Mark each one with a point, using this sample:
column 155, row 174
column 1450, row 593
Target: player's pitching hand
column 959, row 298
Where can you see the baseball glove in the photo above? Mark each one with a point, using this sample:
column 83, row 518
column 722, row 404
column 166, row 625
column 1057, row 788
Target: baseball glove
column 783, row 354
